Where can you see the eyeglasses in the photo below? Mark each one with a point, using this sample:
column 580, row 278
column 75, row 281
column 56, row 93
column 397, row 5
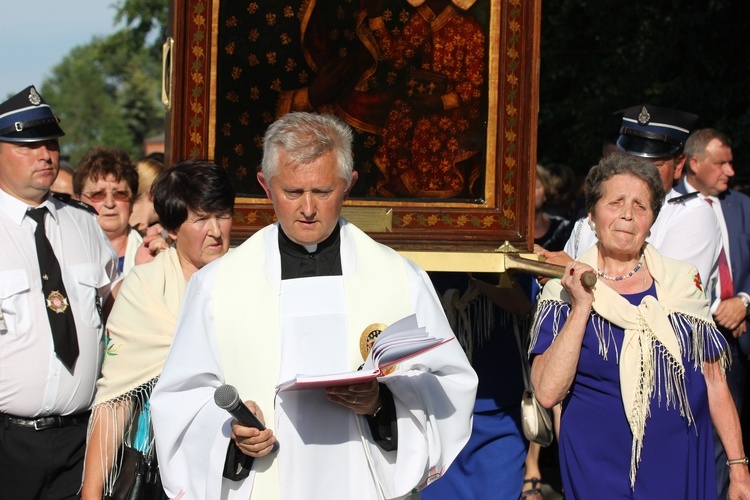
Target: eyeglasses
column 98, row 196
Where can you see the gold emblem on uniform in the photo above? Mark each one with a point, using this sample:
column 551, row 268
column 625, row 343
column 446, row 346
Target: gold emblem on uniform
column 368, row 337
column 57, row 302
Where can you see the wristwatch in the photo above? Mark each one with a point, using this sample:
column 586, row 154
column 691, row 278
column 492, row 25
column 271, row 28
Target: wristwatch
column 745, row 301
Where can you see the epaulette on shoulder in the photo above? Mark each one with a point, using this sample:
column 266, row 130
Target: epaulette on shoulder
column 683, row 198
column 69, row 200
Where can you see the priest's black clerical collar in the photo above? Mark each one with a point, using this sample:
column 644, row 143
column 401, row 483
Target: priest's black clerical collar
column 298, row 262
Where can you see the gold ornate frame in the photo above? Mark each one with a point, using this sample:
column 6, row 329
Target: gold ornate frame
column 507, row 208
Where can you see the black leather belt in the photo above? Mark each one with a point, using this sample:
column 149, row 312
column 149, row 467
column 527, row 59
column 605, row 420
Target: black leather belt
column 41, row 423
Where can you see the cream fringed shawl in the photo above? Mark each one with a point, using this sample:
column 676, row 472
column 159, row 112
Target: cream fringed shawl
column 657, row 335
column 140, row 329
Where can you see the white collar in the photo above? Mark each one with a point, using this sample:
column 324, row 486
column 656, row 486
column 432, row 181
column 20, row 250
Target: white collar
column 16, row 209
column 690, row 189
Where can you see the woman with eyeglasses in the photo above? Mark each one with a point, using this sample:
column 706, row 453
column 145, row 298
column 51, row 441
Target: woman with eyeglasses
column 108, row 181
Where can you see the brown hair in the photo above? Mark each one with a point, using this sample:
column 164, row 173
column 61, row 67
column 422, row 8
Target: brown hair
column 696, row 144
column 99, row 163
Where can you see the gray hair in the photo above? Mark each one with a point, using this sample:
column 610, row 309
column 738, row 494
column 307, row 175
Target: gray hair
column 305, row 137
column 619, row 163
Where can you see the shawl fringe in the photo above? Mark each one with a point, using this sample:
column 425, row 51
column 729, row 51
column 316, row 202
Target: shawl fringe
column 473, row 318
column 470, row 316
column 699, row 341
column 706, row 343
column 121, row 418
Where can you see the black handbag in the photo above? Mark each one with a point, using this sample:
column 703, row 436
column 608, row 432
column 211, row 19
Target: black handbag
column 138, row 479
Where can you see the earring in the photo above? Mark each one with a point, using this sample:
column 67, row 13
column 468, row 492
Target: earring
column 592, row 225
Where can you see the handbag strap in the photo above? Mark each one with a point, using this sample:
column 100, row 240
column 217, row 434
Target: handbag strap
column 525, row 367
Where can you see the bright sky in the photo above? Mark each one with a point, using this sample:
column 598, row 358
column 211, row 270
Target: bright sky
column 35, row 35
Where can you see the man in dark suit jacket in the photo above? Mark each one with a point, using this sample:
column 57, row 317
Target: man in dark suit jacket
column 708, row 170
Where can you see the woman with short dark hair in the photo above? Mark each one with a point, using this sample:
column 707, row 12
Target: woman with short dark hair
column 194, row 200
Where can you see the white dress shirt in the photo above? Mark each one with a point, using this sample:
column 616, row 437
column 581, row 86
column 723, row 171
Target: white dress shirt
column 716, row 207
column 33, row 381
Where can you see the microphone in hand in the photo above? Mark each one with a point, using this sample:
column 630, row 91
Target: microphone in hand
column 227, row 398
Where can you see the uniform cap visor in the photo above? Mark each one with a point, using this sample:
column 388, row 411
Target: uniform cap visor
column 646, row 148
column 35, row 134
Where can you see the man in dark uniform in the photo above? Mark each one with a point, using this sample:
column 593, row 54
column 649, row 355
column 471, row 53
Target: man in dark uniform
column 56, row 269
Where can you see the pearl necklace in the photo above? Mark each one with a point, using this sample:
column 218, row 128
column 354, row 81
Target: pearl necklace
column 620, row 278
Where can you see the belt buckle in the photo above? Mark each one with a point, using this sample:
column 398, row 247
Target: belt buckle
column 43, row 423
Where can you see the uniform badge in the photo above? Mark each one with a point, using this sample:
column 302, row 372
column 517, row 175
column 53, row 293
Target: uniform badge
column 368, row 337
column 644, row 117
column 34, row 97
column 57, row 302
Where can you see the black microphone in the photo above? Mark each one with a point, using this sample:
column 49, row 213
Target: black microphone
column 227, row 398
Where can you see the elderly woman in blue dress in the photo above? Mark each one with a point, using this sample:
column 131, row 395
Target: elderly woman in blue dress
column 636, row 359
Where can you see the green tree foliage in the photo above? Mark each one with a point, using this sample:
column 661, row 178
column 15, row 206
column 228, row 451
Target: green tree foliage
column 605, row 55
column 147, row 22
column 107, row 92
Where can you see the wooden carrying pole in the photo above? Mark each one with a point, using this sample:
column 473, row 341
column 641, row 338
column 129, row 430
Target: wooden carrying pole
column 546, row 269
column 488, row 262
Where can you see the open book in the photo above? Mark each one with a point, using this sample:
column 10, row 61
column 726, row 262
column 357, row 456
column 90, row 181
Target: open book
column 402, row 340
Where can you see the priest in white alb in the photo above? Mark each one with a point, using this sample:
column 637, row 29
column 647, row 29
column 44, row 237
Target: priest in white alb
column 304, row 296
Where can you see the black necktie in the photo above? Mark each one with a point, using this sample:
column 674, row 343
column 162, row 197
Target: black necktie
column 59, row 312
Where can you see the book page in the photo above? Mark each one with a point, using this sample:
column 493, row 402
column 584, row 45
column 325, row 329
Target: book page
column 400, row 352
column 402, row 340
column 404, row 328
